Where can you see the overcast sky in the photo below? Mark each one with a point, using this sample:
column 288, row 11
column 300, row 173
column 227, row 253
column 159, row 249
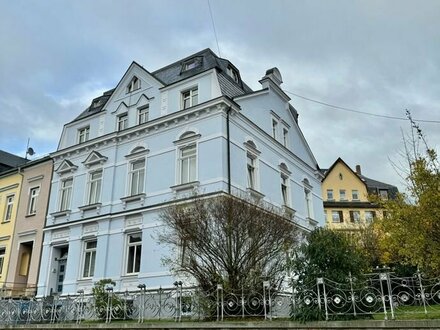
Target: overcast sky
column 380, row 57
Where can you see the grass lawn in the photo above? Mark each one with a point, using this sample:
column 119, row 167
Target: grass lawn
column 412, row 313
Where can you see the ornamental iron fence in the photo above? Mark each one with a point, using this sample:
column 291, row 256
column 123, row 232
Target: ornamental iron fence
column 381, row 293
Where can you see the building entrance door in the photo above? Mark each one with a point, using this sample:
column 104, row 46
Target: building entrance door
column 61, row 271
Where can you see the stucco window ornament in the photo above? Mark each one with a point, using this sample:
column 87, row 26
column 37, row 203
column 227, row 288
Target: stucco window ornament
column 94, row 158
column 66, row 166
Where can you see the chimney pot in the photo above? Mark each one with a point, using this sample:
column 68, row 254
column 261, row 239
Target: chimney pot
column 358, row 169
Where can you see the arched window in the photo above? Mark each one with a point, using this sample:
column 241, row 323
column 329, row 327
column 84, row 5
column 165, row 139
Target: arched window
column 187, row 157
column 134, row 84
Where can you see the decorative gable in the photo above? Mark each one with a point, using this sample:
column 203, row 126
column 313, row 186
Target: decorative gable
column 94, row 158
column 65, row 167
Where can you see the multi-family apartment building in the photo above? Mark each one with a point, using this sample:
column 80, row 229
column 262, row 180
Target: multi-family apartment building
column 155, row 139
column 347, row 205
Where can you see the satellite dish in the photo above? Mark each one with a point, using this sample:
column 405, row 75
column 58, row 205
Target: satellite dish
column 30, row 151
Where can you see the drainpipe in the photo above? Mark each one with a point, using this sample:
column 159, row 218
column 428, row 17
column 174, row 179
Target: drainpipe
column 228, row 137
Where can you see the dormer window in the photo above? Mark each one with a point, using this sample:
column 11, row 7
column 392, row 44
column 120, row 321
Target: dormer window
column 192, row 64
column 233, row 74
column 134, row 84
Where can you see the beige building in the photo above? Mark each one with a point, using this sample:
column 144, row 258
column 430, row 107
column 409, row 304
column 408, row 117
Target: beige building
column 25, row 252
column 345, row 195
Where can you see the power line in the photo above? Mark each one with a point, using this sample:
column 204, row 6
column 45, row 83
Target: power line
column 360, row 112
column 213, row 26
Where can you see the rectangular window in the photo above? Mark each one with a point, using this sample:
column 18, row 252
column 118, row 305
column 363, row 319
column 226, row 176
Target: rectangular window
column 187, row 163
column 66, row 194
column 122, row 122
column 33, row 198
column 233, row 74
column 2, row 258
column 285, row 137
column 355, row 195
column 190, row 98
column 330, row 194
column 370, row 216
column 251, row 171
column 355, row 216
column 309, row 202
column 83, row 134
column 89, row 258
column 337, row 217
column 383, row 193
column 95, row 182
column 143, row 114
column 342, row 196
column 137, row 176
column 274, row 128
column 284, row 190
column 134, row 250
column 9, row 208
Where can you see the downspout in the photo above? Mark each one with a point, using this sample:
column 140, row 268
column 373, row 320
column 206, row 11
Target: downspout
column 228, row 138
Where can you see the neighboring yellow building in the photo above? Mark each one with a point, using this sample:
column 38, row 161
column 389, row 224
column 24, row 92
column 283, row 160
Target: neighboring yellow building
column 345, row 195
column 10, row 186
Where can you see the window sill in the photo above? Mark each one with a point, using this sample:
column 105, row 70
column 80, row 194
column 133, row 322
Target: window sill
column 60, row 213
column 254, row 194
column 90, row 207
column 312, row 222
column 133, row 198
column 185, row 186
column 30, row 215
column 6, row 221
column 131, row 275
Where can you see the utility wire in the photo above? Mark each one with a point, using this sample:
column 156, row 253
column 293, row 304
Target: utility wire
column 360, row 112
column 213, row 26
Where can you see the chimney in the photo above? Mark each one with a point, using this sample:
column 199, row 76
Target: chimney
column 273, row 75
column 358, row 169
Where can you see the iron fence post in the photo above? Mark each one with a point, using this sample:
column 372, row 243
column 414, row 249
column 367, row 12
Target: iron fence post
column 422, row 291
column 383, row 277
column 352, row 293
column 390, row 295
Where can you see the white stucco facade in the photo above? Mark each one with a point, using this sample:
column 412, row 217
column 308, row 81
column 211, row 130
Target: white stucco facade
column 117, row 168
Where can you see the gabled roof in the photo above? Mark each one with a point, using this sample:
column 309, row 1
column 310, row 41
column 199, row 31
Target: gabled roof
column 372, row 185
column 173, row 73
column 8, row 161
column 340, row 160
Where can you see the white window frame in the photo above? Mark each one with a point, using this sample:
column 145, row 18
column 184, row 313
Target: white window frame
column 89, row 259
column 251, row 171
column 188, row 161
column 383, row 194
column 135, row 176
column 330, row 195
column 233, row 74
column 285, row 137
column 83, row 134
column 142, row 114
column 137, row 248
column 94, row 187
column 285, row 189
column 9, row 208
column 368, row 219
column 275, row 124
column 34, row 192
column 2, row 258
column 122, row 121
column 355, row 193
column 135, row 84
column 65, row 195
column 342, row 194
column 190, row 95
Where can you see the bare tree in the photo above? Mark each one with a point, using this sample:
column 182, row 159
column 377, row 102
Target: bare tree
column 229, row 241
